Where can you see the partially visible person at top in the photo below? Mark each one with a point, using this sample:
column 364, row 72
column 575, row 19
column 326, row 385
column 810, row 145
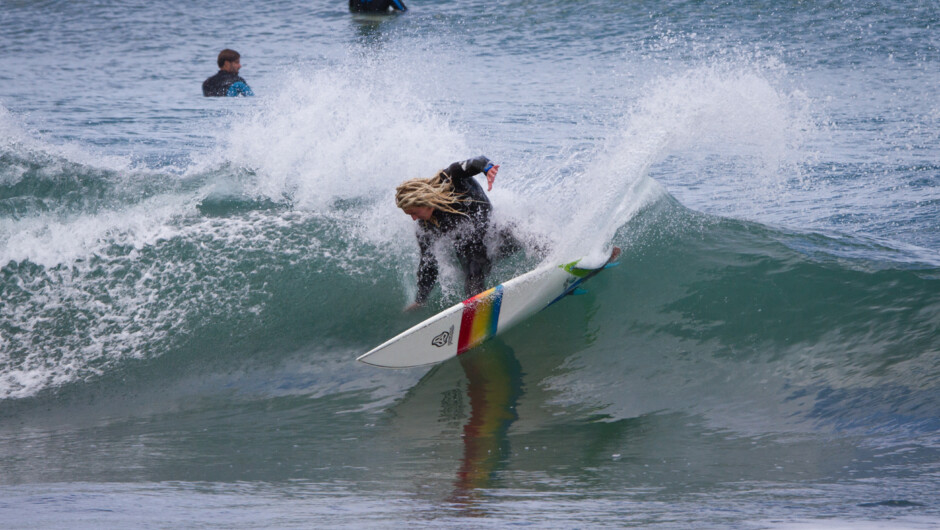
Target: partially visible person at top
column 453, row 205
column 227, row 82
column 376, row 6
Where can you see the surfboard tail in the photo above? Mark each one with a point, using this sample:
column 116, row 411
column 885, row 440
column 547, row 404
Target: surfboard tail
column 584, row 273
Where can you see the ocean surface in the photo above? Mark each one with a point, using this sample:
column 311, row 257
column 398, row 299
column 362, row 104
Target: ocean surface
column 186, row 282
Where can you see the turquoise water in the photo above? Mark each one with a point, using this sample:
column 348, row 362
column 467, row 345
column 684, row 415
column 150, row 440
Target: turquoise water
column 185, row 283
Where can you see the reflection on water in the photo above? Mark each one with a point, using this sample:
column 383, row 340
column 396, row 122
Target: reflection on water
column 494, row 386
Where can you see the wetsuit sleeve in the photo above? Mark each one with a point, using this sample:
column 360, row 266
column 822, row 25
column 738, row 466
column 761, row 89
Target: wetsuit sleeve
column 239, row 88
column 467, row 168
column 399, row 5
column 427, row 269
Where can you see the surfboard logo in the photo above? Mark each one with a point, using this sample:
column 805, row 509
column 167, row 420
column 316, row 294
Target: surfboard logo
column 445, row 338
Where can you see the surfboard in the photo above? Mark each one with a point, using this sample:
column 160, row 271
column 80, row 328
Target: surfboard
column 466, row 325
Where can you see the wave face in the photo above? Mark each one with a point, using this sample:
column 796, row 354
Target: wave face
column 141, row 280
column 185, row 282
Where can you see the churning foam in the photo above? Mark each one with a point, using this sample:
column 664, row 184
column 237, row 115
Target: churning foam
column 351, row 132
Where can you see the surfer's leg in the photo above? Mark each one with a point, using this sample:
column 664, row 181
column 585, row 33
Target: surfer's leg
column 476, row 265
column 509, row 239
column 506, row 243
column 476, row 278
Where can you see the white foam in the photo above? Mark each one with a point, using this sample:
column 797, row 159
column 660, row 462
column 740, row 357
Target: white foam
column 735, row 137
column 341, row 133
column 732, row 112
column 52, row 239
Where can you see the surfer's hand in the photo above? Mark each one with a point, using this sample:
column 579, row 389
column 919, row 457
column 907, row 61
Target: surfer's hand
column 490, row 177
column 413, row 307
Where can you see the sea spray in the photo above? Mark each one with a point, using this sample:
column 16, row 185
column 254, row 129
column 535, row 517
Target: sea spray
column 720, row 111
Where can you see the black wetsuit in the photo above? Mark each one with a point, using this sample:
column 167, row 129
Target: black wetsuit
column 225, row 84
column 375, row 6
column 467, row 231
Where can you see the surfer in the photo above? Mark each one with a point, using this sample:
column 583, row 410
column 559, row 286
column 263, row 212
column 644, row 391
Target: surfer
column 376, row 6
column 452, row 205
column 227, row 82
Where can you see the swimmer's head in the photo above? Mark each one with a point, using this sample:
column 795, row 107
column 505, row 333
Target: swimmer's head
column 229, row 56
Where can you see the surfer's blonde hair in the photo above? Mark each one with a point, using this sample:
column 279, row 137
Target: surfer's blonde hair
column 436, row 192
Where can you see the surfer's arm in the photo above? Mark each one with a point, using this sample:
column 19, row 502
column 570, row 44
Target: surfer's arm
column 474, row 166
column 239, row 88
column 427, row 269
column 399, row 5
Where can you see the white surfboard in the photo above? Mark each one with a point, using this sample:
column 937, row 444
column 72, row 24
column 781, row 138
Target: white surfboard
column 467, row 324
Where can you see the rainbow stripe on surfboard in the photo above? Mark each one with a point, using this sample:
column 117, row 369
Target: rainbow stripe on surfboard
column 479, row 318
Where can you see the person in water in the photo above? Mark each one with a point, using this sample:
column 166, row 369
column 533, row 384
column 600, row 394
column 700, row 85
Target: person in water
column 451, row 205
column 227, row 82
column 376, row 6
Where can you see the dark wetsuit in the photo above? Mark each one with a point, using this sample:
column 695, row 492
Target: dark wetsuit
column 225, row 84
column 466, row 231
column 376, row 6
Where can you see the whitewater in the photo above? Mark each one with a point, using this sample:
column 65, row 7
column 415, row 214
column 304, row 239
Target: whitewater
column 185, row 282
